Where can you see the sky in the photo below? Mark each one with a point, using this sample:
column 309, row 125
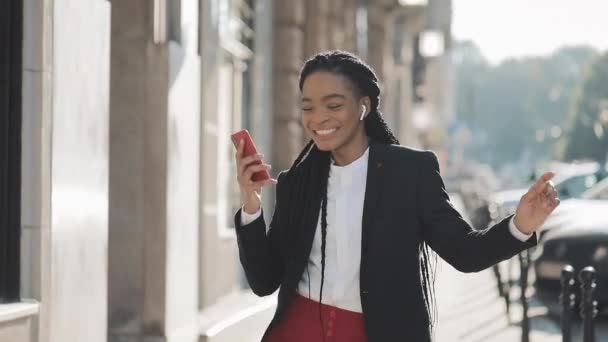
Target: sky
column 515, row 28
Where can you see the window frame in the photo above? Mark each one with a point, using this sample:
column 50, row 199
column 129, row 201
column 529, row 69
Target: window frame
column 236, row 20
column 11, row 39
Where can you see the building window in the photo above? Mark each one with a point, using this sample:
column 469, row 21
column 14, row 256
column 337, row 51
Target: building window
column 234, row 99
column 11, row 36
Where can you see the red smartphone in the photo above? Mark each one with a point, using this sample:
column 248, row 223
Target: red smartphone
column 248, row 150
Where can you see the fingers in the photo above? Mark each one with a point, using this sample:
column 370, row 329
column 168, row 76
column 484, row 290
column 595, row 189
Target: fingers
column 257, row 185
column 539, row 186
column 549, row 204
column 239, row 149
column 266, row 182
column 549, row 197
column 245, row 162
column 247, row 166
column 549, row 190
column 238, row 155
column 250, row 170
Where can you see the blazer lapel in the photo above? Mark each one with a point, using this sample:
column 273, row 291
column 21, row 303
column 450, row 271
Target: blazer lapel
column 373, row 188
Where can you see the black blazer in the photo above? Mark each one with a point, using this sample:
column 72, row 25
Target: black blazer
column 405, row 203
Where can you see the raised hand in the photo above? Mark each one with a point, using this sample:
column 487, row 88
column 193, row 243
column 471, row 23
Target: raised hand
column 251, row 191
column 536, row 205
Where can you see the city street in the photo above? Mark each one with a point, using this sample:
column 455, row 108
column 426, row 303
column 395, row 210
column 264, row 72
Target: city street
column 470, row 309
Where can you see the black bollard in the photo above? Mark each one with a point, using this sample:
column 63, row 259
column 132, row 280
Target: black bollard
column 588, row 305
column 568, row 301
column 524, row 263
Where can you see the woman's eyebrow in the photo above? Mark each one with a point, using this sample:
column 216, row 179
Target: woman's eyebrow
column 326, row 97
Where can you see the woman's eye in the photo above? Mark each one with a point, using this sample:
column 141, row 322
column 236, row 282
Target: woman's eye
column 306, row 109
column 334, row 107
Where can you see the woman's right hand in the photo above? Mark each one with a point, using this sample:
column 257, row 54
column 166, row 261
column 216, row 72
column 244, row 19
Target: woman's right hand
column 251, row 191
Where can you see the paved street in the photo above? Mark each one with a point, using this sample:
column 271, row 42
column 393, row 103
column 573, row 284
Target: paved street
column 470, row 310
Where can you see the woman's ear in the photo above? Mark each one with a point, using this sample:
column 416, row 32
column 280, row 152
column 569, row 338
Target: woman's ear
column 365, row 107
column 363, row 111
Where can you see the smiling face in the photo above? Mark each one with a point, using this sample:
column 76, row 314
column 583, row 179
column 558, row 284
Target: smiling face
column 331, row 109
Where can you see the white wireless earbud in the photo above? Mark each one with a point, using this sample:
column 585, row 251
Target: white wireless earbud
column 363, row 113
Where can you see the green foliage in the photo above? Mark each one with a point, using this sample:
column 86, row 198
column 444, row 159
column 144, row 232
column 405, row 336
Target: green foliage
column 588, row 138
column 507, row 105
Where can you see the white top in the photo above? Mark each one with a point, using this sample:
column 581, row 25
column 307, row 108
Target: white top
column 345, row 197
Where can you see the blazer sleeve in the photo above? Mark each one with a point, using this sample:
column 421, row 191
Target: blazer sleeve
column 448, row 234
column 259, row 250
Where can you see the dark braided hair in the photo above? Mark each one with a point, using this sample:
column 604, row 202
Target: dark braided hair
column 308, row 176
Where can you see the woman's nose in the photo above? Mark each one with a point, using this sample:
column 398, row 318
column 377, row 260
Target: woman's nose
column 319, row 117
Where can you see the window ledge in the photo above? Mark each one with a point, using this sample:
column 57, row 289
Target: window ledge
column 13, row 311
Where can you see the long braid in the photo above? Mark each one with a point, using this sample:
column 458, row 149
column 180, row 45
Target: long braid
column 307, row 177
column 377, row 129
column 323, row 238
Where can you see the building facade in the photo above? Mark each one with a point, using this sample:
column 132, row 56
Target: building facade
column 123, row 166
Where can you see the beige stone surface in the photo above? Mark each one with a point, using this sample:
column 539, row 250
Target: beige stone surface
column 138, row 130
column 77, row 285
column 290, row 12
column 18, row 330
column 288, row 56
column 290, row 134
column 126, row 232
column 287, row 106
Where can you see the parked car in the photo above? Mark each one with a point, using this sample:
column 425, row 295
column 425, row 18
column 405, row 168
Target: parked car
column 573, row 207
column 579, row 237
column 572, row 180
column 506, row 201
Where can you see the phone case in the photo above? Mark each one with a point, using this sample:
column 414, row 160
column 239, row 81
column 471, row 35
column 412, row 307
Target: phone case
column 248, row 150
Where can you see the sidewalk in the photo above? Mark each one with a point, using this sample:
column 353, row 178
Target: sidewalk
column 470, row 310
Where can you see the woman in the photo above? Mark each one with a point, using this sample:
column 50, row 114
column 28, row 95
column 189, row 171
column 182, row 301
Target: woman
column 355, row 215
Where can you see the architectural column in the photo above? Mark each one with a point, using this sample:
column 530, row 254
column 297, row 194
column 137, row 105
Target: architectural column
column 74, row 290
column 376, row 31
column 138, row 173
column 288, row 57
column 349, row 15
column 154, row 172
column 409, row 21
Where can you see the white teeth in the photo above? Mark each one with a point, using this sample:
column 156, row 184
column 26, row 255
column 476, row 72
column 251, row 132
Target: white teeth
column 326, row 131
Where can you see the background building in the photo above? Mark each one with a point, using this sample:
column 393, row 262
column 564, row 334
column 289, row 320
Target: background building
column 123, row 165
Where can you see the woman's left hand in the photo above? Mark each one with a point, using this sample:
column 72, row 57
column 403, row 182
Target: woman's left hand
column 536, row 205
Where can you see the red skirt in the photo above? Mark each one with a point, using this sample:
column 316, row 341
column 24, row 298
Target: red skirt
column 302, row 323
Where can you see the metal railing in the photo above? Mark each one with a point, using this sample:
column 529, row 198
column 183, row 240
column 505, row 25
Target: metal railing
column 570, row 296
column 587, row 307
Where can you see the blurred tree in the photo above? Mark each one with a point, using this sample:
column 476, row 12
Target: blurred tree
column 588, row 138
column 516, row 110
